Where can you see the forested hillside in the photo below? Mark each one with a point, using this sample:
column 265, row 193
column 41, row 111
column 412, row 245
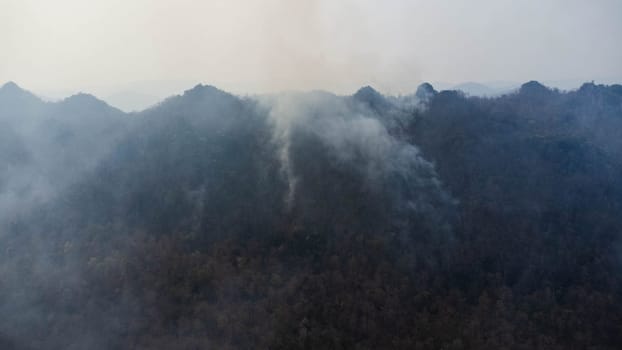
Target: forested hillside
column 313, row 221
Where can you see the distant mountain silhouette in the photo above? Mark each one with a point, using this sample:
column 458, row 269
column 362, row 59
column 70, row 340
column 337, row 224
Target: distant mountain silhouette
column 478, row 89
column 131, row 101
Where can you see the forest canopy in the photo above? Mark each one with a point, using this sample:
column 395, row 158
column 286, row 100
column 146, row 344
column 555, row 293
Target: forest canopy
column 433, row 220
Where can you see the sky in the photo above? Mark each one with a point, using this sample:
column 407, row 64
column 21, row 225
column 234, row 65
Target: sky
column 256, row 46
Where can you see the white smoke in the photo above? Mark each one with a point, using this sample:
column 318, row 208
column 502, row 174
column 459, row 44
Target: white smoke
column 359, row 138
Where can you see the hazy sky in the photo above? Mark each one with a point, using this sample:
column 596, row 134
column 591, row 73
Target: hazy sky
column 268, row 45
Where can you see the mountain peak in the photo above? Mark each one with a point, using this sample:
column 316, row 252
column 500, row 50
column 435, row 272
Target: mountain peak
column 201, row 89
column 84, row 102
column 84, row 98
column 370, row 96
column 12, row 93
column 534, row 88
column 201, row 92
column 11, row 86
column 198, row 97
column 367, row 90
column 588, row 87
column 425, row 91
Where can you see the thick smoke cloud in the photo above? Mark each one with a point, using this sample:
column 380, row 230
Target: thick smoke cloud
column 355, row 136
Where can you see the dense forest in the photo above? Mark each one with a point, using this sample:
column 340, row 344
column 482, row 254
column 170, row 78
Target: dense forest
column 433, row 220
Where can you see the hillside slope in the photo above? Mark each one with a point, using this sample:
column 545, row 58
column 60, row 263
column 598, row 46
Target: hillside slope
column 311, row 220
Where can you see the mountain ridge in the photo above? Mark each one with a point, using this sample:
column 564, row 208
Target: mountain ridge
column 314, row 221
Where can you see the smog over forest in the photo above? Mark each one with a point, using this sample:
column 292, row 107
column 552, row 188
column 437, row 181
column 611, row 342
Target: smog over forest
column 310, row 174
